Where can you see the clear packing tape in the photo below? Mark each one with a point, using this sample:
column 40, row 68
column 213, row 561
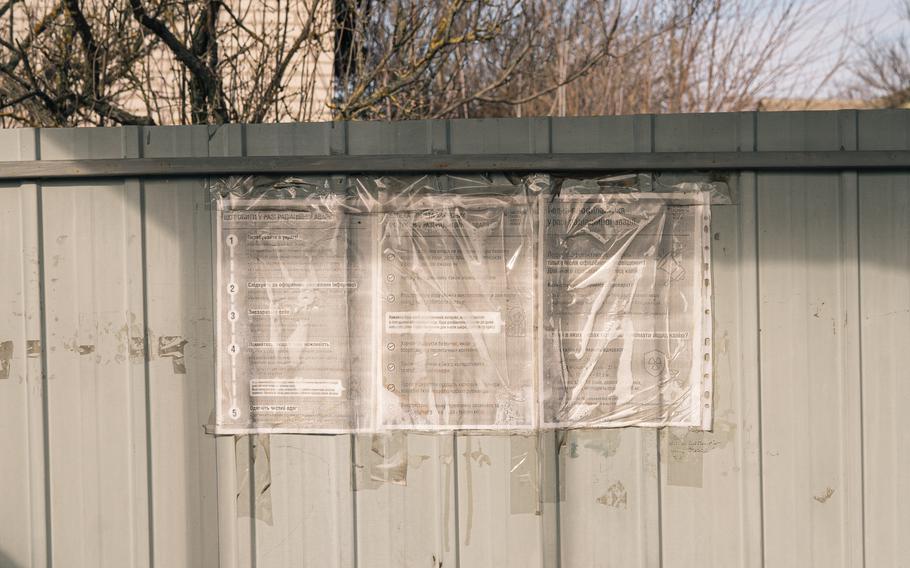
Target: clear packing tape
column 476, row 302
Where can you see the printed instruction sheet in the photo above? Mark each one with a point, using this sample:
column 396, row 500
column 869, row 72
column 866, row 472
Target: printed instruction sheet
column 489, row 311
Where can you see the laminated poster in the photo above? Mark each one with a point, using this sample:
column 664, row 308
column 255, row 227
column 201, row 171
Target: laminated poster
column 508, row 308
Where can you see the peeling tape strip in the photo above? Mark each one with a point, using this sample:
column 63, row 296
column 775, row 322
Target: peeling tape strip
column 524, row 476
column 533, row 480
column 551, row 490
column 172, row 346
column 380, row 459
column 254, row 477
column 561, row 439
column 684, row 468
column 33, row 348
column 447, row 459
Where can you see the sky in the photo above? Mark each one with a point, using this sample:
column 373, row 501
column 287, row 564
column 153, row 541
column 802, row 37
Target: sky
column 866, row 18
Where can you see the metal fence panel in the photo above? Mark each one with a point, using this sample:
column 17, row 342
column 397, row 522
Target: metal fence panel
column 23, row 469
column 106, row 289
column 178, row 267
column 810, row 376
column 884, row 252
column 711, row 481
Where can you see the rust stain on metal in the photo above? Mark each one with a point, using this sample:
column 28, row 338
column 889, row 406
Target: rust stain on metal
column 6, row 356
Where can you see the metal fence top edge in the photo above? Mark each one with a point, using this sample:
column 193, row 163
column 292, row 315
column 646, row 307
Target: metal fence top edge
column 698, row 116
column 446, row 163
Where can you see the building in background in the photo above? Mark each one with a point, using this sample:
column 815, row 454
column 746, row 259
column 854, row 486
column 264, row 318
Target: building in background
column 273, row 60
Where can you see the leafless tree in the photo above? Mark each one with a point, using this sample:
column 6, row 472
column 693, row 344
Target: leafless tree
column 881, row 73
column 79, row 62
column 70, row 62
column 706, row 56
column 474, row 59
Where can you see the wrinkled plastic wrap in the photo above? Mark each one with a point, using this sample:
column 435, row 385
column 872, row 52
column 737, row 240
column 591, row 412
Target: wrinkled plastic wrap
column 374, row 303
column 626, row 311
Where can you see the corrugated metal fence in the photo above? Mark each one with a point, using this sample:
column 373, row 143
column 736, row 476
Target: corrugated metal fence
column 104, row 460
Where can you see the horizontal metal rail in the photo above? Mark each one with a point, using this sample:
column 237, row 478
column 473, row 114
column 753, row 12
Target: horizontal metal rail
column 446, row 163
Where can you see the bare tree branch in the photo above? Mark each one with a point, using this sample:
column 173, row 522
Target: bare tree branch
column 192, row 61
column 181, row 61
column 278, row 76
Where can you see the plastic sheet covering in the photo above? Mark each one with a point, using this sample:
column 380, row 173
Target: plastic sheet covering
column 626, row 311
column 372, row 303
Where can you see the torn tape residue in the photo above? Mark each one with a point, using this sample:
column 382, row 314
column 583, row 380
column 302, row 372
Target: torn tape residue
column 6, row 356
column 33, row 348
column 172, row 346
column 524, row 475
column 380, row 459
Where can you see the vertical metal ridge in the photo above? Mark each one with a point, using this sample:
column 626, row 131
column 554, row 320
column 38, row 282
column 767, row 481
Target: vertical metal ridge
column 143, row 254
column 45, row 409
column 225, row 446
column 549, row 121
column 840, row 237
column 558, row 500
column 859, row 346
column 243, row 140
column 252, row 448
column 354, row 519
column 851, row 356
column 756, row 265
column 660, row 504
column 758, row 364
column 34, row 467
column 143, row 248
column 456, row 501
column 754, row 147
column 238, row 136
column 648, row 144
column 749, row 451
